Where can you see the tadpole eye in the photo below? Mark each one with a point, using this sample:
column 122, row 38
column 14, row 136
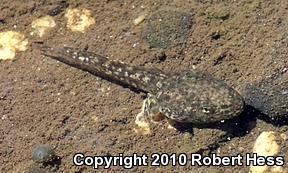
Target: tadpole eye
column 205, row 110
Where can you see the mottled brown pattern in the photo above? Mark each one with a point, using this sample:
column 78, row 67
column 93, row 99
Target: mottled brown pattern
column 117, row 71
column 186, row 97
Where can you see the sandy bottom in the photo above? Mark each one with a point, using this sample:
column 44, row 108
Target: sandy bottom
column 46, row 102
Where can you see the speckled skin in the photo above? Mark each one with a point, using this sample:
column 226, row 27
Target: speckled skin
column 189, row 96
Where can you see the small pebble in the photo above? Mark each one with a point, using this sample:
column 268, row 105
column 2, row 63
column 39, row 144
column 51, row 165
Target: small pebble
column 43, row 154
column 139, row 19
column 266, row 145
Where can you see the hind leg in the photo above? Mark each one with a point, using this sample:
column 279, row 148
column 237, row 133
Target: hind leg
column 149, row 113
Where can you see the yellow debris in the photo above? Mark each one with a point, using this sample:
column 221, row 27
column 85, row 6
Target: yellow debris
column 10, row 43
column 42, row 25
column 79, row 20
column 6, row 53
column 265, row 145
column 142, row 128
column 277, row 169
column 142, row 125
column 139, row 19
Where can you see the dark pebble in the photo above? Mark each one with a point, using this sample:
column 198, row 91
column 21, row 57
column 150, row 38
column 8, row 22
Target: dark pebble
column 167, row 28
column 270, row 96
column 43, row 154
column 61, row 6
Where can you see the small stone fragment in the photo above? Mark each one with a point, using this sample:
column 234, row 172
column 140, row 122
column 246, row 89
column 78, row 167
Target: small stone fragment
column 43, row 154
column 79, row 20
column 139, row 19
column 43, row 24
column 10, row 43
column 265, row 145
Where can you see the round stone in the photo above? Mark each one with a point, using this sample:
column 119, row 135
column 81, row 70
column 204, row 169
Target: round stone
column 168, row 28
column 43, row 154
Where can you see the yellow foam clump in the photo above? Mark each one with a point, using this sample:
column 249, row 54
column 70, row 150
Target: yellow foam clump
column 79, row 20
column 10, row 43
column 43, row 24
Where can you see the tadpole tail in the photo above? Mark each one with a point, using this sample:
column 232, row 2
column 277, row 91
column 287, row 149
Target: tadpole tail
column 115, row 71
